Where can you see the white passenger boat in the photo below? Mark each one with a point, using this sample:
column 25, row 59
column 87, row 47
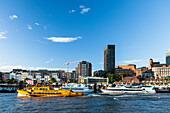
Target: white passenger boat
column 124, row 89
column 78, row 88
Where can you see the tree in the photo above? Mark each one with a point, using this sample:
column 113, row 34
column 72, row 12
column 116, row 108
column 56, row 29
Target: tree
column 110, row 76
column 21, row 82
column 14, row 81
column 42, row 81
column 139, row 76
column 74, row 81
column 167, row 78
column 1, row 81
column 25, row 79
column 52, row 79
column 157, row 76
column 8, row 81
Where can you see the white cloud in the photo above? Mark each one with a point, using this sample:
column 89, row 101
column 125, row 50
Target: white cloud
column 63, row 39
column 72, row 11
column 8, row 68
column 82, row 6
column 51, row 60
column 131, row 61
column 37, row 24
column 84, row 10
column 2, row 35
column 13, row 17
column 158, row 59
column 29, row 27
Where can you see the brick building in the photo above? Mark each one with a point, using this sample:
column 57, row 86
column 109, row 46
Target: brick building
column 5, row 76
column 140, row 71
column 128, row 80
column 128, row 69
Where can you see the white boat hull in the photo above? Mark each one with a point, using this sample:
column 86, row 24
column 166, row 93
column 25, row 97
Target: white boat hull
column 131, row 92
column 21, row 95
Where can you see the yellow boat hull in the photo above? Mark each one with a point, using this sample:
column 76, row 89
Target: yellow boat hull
column 49, row 93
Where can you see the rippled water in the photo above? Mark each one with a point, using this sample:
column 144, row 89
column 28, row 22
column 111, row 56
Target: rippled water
column 9, row 102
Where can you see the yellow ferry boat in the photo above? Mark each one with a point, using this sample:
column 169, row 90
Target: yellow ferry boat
column 46, row 91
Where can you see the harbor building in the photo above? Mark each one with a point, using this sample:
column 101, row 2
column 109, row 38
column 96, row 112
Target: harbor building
column 128, row 69
column 168, row 57
column 161, row 71
column 92, row 80
column 109, row 58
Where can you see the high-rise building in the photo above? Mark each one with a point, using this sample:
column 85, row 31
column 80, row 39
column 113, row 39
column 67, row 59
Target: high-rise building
column 109, row 58
column 84, row 69
column 168, row 57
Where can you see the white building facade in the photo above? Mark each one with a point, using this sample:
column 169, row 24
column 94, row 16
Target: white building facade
column 161, row 72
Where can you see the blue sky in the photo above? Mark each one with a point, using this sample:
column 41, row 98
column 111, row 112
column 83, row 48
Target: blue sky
column 47, row 33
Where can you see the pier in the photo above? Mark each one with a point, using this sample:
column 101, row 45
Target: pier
column 4, row 88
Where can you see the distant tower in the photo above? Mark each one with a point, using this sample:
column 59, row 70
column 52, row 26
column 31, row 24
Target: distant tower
column 168, row 57
column 150, row 61
column 109, row 58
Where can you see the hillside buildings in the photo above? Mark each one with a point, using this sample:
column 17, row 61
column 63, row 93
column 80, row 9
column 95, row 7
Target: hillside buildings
column 168, row 57
column 109, row 58
column 38, row 75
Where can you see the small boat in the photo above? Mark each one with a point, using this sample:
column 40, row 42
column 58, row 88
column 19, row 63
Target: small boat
column 123, row 89
column 47, row 91
column 78, row 88
column 163, row 90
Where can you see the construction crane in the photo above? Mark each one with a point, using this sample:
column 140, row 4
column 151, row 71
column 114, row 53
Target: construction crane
column 70, row 63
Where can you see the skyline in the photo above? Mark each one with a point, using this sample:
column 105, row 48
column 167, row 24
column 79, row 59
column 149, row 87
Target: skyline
column 41, row 34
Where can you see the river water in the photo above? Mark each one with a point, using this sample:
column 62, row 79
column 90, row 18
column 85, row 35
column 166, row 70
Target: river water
column 153, row 103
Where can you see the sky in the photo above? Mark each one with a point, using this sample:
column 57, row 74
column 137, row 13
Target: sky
column 44, row 34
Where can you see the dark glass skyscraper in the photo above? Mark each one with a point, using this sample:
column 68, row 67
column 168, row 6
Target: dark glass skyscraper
column 168, row 57
column 109, row 58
